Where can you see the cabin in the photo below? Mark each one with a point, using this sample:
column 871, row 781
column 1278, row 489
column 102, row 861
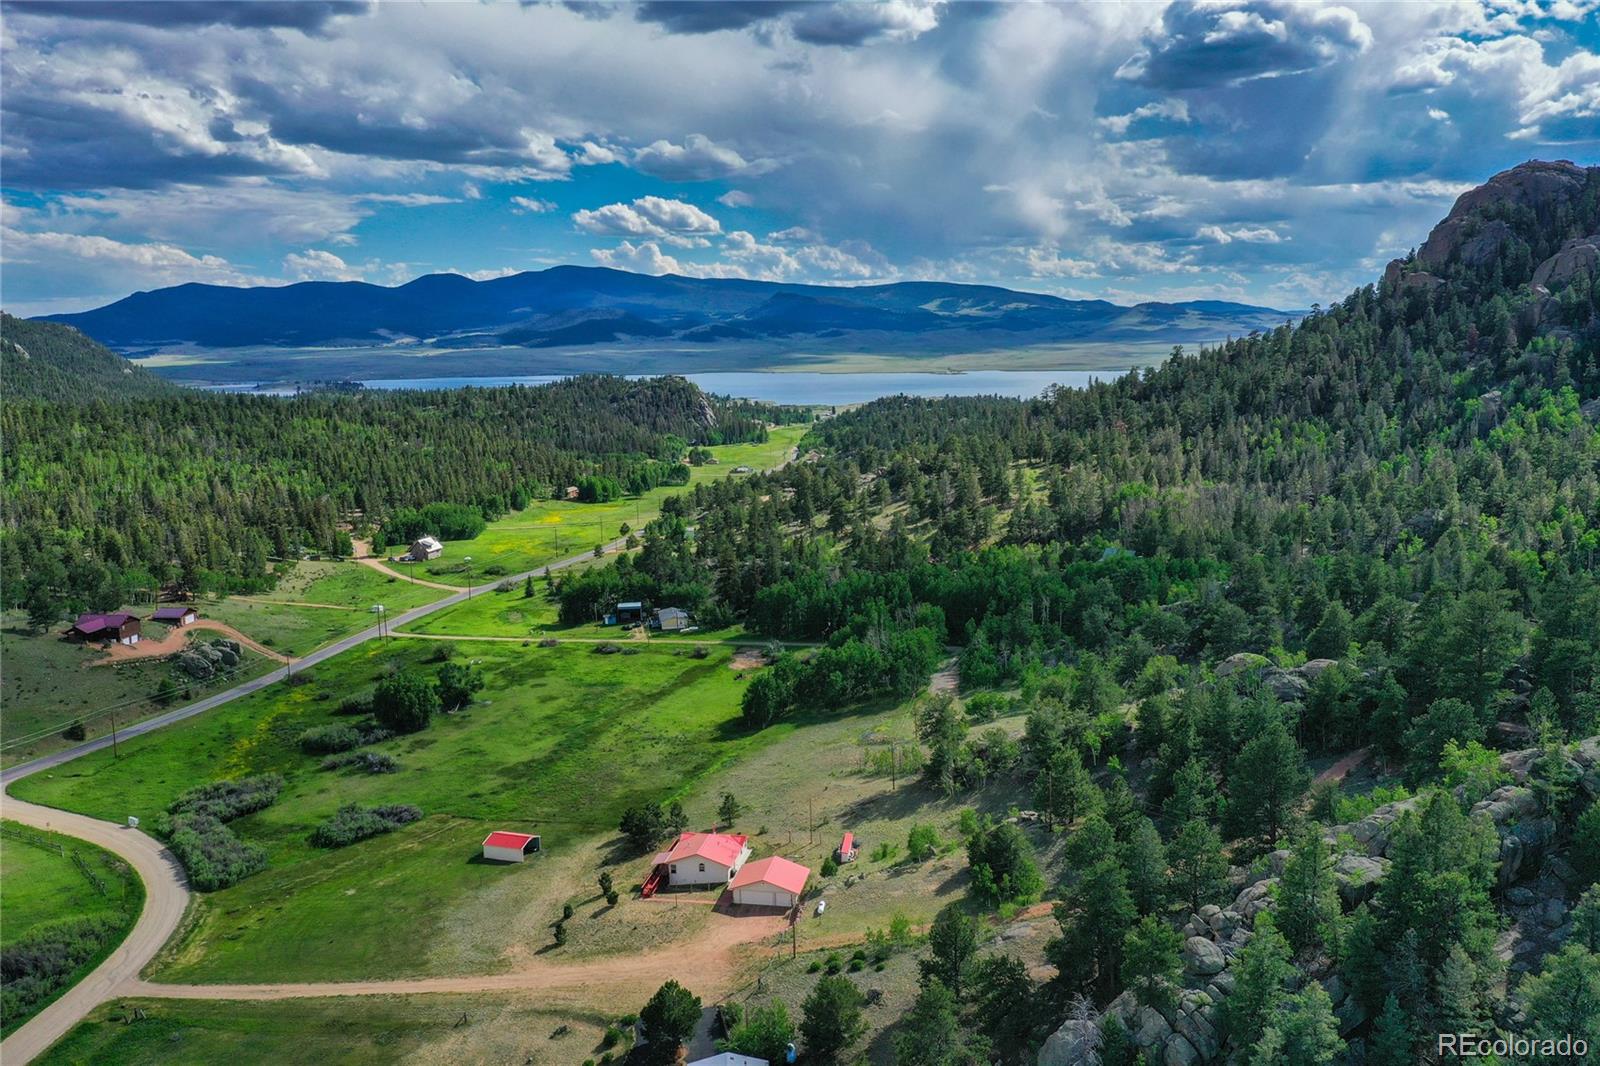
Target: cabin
column 698, row 860
column 629, row 613
column 503, row 846
column 570, row 493
column 672, row 619
column 846, row 851
column 425, row 548
column 770, row 882
column 116, row 628
column 177, row 617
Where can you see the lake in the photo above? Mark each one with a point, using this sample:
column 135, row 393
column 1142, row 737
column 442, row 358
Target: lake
column 800, row 387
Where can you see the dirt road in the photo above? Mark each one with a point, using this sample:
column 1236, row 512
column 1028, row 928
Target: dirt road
column 707, row 965
column 1339, row 770
column 175, row 640
column 166, row 898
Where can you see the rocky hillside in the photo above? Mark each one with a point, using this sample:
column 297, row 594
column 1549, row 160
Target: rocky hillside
column 42, row 360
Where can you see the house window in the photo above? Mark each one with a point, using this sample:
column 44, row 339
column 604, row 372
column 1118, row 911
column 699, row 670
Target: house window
column 702, row 867
column 674, row 867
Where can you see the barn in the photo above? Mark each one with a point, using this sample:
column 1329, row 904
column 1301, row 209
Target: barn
column 770, row 882
column 672, row 619
column 698, row 860
column 729, row 1058
column 503, row 846
column 425, row 548
column 177, row 617
column 120, row 628
column 629, row 612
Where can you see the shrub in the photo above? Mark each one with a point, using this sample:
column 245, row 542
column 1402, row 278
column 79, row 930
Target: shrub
column 353, row 822
column 352, row 706
column 227, row 800
column 213, row 856
column 76, row 731
column 43, row 960
column 364, row 762
column 830, row 866
column 922, row 843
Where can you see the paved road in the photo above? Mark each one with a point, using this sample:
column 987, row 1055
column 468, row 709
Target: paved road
column 166, row 887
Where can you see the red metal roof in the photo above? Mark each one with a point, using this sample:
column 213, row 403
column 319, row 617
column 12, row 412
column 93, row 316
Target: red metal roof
column 721, row 848
column 774, row 870
column 502, row 839
column 93, row 623
column 163, row 613
column 847, row 843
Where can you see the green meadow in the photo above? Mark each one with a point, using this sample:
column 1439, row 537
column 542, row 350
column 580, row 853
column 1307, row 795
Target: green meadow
column 317, row 603
column 42, row 885
column 547, row 530
column 560, row 742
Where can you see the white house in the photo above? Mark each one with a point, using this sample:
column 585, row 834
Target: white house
column 425, row 548
column 770, row 882
column 702, row 859
column 672, row 619
column 501, row 846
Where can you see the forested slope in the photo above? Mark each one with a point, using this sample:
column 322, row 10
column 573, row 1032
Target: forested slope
column 1377, row 530
column 109, row 492
column 39, row 360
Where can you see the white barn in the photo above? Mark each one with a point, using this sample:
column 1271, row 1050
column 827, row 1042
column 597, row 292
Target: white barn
column 425, row 548
column 501, row 846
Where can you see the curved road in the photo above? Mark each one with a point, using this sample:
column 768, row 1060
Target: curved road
column 166, row 887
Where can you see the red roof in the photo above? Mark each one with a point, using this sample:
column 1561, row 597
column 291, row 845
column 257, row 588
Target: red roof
column 502, row 839
column 847, row 844
column 93, row 623
column 164, row 613
column 723, row 849
column 774, row 870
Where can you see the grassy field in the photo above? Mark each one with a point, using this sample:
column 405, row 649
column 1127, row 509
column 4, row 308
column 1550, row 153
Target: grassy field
column 319, row 602
column 47, row 683
column 40, row 884
column 551, row 725
column 547, row 530
column 351, row 1032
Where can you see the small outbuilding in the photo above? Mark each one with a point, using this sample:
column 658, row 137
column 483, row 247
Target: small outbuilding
column 503, row 846
column 770, row 882
column 425, row 548
column 846, row 851
column 673, row 619
column 117, row 628
column 729, row 1058
column 177, row 617
column 629, row 613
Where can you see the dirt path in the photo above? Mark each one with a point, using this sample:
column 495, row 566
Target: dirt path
column 383, row 568
column 166, row 898
column 709, row 965
column 296, row 603
column 177, row 639
column 1337, row 772
column 948, row 679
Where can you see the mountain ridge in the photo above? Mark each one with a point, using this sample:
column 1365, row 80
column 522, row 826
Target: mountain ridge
column 577, row 305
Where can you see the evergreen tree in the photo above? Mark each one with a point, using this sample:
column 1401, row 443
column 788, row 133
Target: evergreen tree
column 1006, row 1008
column 1361, row 960
column 1260, row 973
column 1308, row 900
column 1147, row 868
column 931, row 1033
column 831, row 1018
column 1199, row 867
column 953, row 945
column 1394, row 1040
column 1303, row 1031
column 667, row 1021
column 1265, row 782
column 1150, row 963
column 1565, row 998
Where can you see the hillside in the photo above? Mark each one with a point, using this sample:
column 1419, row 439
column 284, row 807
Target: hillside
column 580, row 306
column 44, row 361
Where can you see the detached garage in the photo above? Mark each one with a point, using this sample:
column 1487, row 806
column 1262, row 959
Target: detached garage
column 770, row 882
column 501, row 846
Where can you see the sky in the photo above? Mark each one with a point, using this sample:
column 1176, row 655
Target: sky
column 1267, row 152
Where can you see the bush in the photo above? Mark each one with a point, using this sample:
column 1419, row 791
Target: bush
column 922, row 843
column 332, row 739
column 43, row 961
column 365, row 762
column 830, row 866
column 353, row 822
column 209, row 851
column 353, row 706
column 76, row 731
column 405, row 703
column 227, row 800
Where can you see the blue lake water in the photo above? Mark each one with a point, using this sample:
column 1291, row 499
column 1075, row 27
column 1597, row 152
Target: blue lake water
column 804, row 387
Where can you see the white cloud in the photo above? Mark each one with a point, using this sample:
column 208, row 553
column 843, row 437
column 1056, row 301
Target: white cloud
column 736, row 198
column 698, row 158
column 407, row 199
column 527, row 205
column 1247, row 234
column 673, row 221
column 1172, row 109
column 314, row 264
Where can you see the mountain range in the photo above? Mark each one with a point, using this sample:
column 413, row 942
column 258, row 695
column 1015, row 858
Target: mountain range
column 570, row 306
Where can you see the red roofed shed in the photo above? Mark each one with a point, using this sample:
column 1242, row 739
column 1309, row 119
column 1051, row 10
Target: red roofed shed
column 770, row 882
column 501, row 846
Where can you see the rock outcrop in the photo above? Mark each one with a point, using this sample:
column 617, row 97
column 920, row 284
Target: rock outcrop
column 1189, row 1032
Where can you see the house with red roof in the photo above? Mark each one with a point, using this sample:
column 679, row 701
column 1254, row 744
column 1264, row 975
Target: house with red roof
column 118, row 627
column 504, row 846
column 701, row 860
column 770, row 882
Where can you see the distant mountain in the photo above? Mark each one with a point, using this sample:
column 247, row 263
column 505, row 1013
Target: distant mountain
column 579, row 306
column 46, row 361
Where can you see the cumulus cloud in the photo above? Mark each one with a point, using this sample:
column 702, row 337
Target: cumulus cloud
column 849, row 24
column 698, row 158
column 736, row 198
column 308, row 16
column 1226, row 42
column 1173, row 110
column 314, row 264
column 1247, row 234
column 529, row 205
column 672, row 221
column 696, row 16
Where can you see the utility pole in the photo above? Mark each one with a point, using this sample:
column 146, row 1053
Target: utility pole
column 115, row 753
column 811, row 820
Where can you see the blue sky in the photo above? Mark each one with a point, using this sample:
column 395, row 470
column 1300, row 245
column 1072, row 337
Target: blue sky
column 1269, row 152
